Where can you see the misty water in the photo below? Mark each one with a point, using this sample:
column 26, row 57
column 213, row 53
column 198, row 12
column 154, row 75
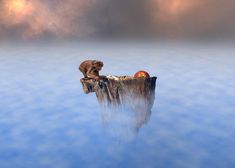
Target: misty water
column 47, row 121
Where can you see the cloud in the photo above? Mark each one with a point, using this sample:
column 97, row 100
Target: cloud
column 42, row 19
column 47, row 121
column 196, row 18
column 112, row 18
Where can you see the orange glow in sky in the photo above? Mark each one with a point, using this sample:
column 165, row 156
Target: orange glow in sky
column 19, row 7
column 178, row 6
column 173, row 7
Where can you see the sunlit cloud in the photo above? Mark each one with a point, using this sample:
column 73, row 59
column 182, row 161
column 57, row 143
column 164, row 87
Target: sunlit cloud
column 18, row 7
column 173, row 7
column 38, row 18
column 29, row 19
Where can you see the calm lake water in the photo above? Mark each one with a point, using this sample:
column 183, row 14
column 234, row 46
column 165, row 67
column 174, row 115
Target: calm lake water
column 46, row 121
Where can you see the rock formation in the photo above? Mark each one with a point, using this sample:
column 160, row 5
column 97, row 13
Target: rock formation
column 135, row 94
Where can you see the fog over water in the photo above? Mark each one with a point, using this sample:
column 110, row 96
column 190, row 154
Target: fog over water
column 47, row 121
